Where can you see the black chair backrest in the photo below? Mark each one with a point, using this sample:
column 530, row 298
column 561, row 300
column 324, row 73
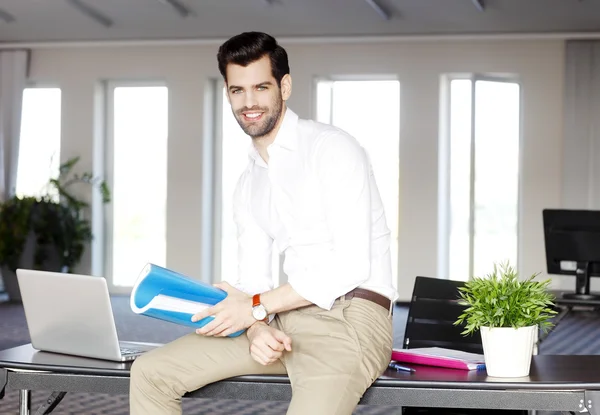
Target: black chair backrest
column 433, row 310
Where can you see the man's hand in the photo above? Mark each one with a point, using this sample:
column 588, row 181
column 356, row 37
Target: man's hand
column 232, row 314
column 267, row 344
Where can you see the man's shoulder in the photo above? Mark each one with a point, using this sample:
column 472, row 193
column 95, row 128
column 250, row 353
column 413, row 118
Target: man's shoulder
column 316, row 127
column 314, row 133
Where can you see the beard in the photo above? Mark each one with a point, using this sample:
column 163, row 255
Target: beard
column 266, row 124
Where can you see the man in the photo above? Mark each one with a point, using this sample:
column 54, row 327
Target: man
column 309, row 187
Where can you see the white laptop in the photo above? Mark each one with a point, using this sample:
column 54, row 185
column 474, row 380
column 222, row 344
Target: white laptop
column 72, row 314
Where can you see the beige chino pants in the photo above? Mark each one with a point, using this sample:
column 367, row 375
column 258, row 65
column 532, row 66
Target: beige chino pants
column 336, row 355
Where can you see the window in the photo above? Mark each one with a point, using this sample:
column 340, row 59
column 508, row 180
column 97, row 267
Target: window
column 482, row 213
column 39, row 145
column 234, row 159
column 370, row 111
column 137, row 167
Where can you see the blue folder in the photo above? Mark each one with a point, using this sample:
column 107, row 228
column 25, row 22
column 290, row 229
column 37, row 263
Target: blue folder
column 155, row 283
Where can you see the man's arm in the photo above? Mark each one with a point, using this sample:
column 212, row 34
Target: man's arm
column 345, row 187
column 282, row 298
column 235, row 312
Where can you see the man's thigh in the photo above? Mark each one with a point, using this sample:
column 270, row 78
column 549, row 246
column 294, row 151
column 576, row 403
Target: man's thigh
column 336, row 355
column 193, row 361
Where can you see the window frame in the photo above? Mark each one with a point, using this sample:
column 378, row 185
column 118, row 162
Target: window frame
column 444, row 165
column 217, row 167
column 109, row 87
column 43, row 85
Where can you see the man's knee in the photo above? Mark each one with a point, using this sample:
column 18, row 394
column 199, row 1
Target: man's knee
column 151, row 389
column 144, row 370
column 148, row 371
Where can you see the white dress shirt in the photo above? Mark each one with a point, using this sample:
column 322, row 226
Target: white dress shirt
column 317, row 199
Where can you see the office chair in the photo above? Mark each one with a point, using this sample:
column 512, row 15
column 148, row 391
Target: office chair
column 433, row 310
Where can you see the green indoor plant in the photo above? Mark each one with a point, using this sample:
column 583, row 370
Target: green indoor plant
column 508, row 311
column 47, row 232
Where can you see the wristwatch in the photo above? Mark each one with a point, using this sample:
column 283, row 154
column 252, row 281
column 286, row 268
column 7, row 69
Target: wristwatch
column 259, row 312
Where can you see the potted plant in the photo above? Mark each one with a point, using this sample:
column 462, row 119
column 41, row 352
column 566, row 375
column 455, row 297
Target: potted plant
column 508, row 312
column 47, row 232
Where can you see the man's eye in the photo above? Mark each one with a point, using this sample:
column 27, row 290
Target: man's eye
column 236, row 91
column 261, row 88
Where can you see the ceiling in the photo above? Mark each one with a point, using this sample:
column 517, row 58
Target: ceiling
column 66, row 20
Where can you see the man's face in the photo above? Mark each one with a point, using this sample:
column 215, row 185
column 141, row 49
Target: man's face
column 255, row 98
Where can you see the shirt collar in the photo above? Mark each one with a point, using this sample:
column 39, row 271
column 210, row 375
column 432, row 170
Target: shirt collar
column 287, row 136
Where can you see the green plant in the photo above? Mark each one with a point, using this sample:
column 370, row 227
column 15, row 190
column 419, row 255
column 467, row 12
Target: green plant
column 500, row 299
column 58, row 225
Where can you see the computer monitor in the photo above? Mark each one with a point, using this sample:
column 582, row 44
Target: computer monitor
column 572, row 240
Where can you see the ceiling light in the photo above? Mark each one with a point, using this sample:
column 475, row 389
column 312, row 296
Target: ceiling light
column 379, row 10
column 6, row 16
column 178, row 6
column 91, row 12
column 479, row 4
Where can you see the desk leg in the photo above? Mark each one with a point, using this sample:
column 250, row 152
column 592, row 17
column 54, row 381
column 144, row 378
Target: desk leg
column 50, row 403
column 3, row 381
column 24, row 402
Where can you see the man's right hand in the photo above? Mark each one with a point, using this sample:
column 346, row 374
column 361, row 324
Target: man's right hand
column 267, row 344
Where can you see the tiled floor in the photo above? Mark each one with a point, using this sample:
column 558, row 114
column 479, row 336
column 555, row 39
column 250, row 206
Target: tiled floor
column 101, row 404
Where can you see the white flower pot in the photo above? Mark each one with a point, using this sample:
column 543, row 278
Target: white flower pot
column 508, row 351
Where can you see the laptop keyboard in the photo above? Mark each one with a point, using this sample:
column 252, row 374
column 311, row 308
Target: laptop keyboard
column 125, row 351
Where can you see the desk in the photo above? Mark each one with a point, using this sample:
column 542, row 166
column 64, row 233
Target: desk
column 556, row 383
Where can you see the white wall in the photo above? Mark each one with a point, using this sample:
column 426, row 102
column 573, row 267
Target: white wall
column 417, row 64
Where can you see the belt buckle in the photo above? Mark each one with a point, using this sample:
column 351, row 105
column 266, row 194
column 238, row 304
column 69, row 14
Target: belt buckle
column 348, row 296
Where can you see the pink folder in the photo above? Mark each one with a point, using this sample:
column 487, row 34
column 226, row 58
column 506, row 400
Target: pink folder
column 439, row 356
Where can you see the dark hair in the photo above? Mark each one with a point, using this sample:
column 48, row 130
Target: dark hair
column 249, row 47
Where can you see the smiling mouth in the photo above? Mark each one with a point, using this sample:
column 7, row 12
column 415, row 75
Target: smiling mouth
column 253, row 116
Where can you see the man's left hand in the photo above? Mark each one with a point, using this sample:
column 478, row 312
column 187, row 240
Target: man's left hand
column 232, row 314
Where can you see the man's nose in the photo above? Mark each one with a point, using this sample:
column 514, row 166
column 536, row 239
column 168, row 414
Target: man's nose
column 250, row 99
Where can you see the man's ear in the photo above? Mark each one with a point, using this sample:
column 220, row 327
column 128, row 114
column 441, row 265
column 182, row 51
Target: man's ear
column 286, row 87
column 226, row 91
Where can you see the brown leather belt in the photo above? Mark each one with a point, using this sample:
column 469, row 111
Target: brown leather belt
column 369, row 295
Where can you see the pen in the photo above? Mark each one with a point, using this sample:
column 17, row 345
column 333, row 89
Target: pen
column 394, row 365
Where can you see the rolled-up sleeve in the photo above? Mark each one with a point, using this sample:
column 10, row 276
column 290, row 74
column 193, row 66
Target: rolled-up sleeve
column 344, row 176
column 254, row 245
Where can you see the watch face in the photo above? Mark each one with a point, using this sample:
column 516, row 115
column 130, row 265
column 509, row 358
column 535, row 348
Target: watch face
column 259, row 312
